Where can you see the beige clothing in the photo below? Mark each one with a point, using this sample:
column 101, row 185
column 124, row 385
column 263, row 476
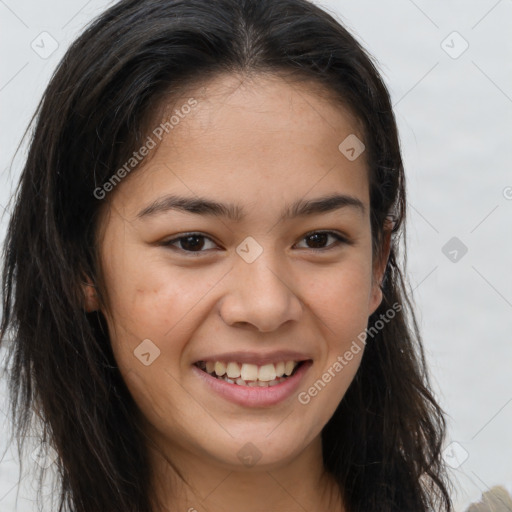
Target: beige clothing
column 495, row 500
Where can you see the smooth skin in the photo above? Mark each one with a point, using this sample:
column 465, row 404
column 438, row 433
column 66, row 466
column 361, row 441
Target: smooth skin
column 261, row 142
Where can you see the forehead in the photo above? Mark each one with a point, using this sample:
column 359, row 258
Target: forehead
column 268, row 110
column 262, row 140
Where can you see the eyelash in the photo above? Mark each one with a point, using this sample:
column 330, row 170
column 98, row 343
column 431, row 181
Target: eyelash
column 339, row 240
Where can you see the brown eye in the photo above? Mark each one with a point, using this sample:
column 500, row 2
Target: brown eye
column 318, row 239
column 192, row 242
column 189, row 243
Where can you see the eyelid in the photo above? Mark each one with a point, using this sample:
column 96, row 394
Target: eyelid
column 168, row 243
column 341, row 239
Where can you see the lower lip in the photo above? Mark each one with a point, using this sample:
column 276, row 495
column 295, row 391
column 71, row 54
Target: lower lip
column 255, row 396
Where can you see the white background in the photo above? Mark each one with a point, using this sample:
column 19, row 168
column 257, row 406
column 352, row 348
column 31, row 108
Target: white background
column 454, row 117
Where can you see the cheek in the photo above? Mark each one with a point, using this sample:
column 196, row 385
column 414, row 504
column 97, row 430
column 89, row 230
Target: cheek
column 340, row 305
column 349, row 314
column 339, row 300
column 340, row 295
column 153, row 301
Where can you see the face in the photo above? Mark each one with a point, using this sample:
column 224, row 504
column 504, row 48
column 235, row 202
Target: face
column 272, row 288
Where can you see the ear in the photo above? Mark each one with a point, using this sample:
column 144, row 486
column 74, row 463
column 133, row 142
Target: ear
column 91, row 302
column 379, row 266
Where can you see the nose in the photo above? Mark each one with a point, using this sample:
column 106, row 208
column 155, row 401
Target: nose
column 260, row 294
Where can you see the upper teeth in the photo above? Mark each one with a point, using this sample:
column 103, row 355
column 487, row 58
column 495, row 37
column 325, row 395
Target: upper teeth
column 247, row 372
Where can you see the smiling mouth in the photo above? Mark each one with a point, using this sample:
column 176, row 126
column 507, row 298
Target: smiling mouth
column 250, row 375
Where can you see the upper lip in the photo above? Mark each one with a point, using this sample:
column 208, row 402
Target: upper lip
column 257, row 358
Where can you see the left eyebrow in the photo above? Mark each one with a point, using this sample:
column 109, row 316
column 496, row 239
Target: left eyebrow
column 234, row 212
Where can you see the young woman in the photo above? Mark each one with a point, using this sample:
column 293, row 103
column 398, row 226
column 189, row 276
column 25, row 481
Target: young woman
column 202, row 287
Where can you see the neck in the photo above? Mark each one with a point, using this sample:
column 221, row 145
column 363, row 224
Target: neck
column 184, row 480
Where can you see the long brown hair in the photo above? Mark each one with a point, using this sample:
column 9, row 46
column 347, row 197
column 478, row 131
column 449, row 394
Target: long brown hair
column 383, row 443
